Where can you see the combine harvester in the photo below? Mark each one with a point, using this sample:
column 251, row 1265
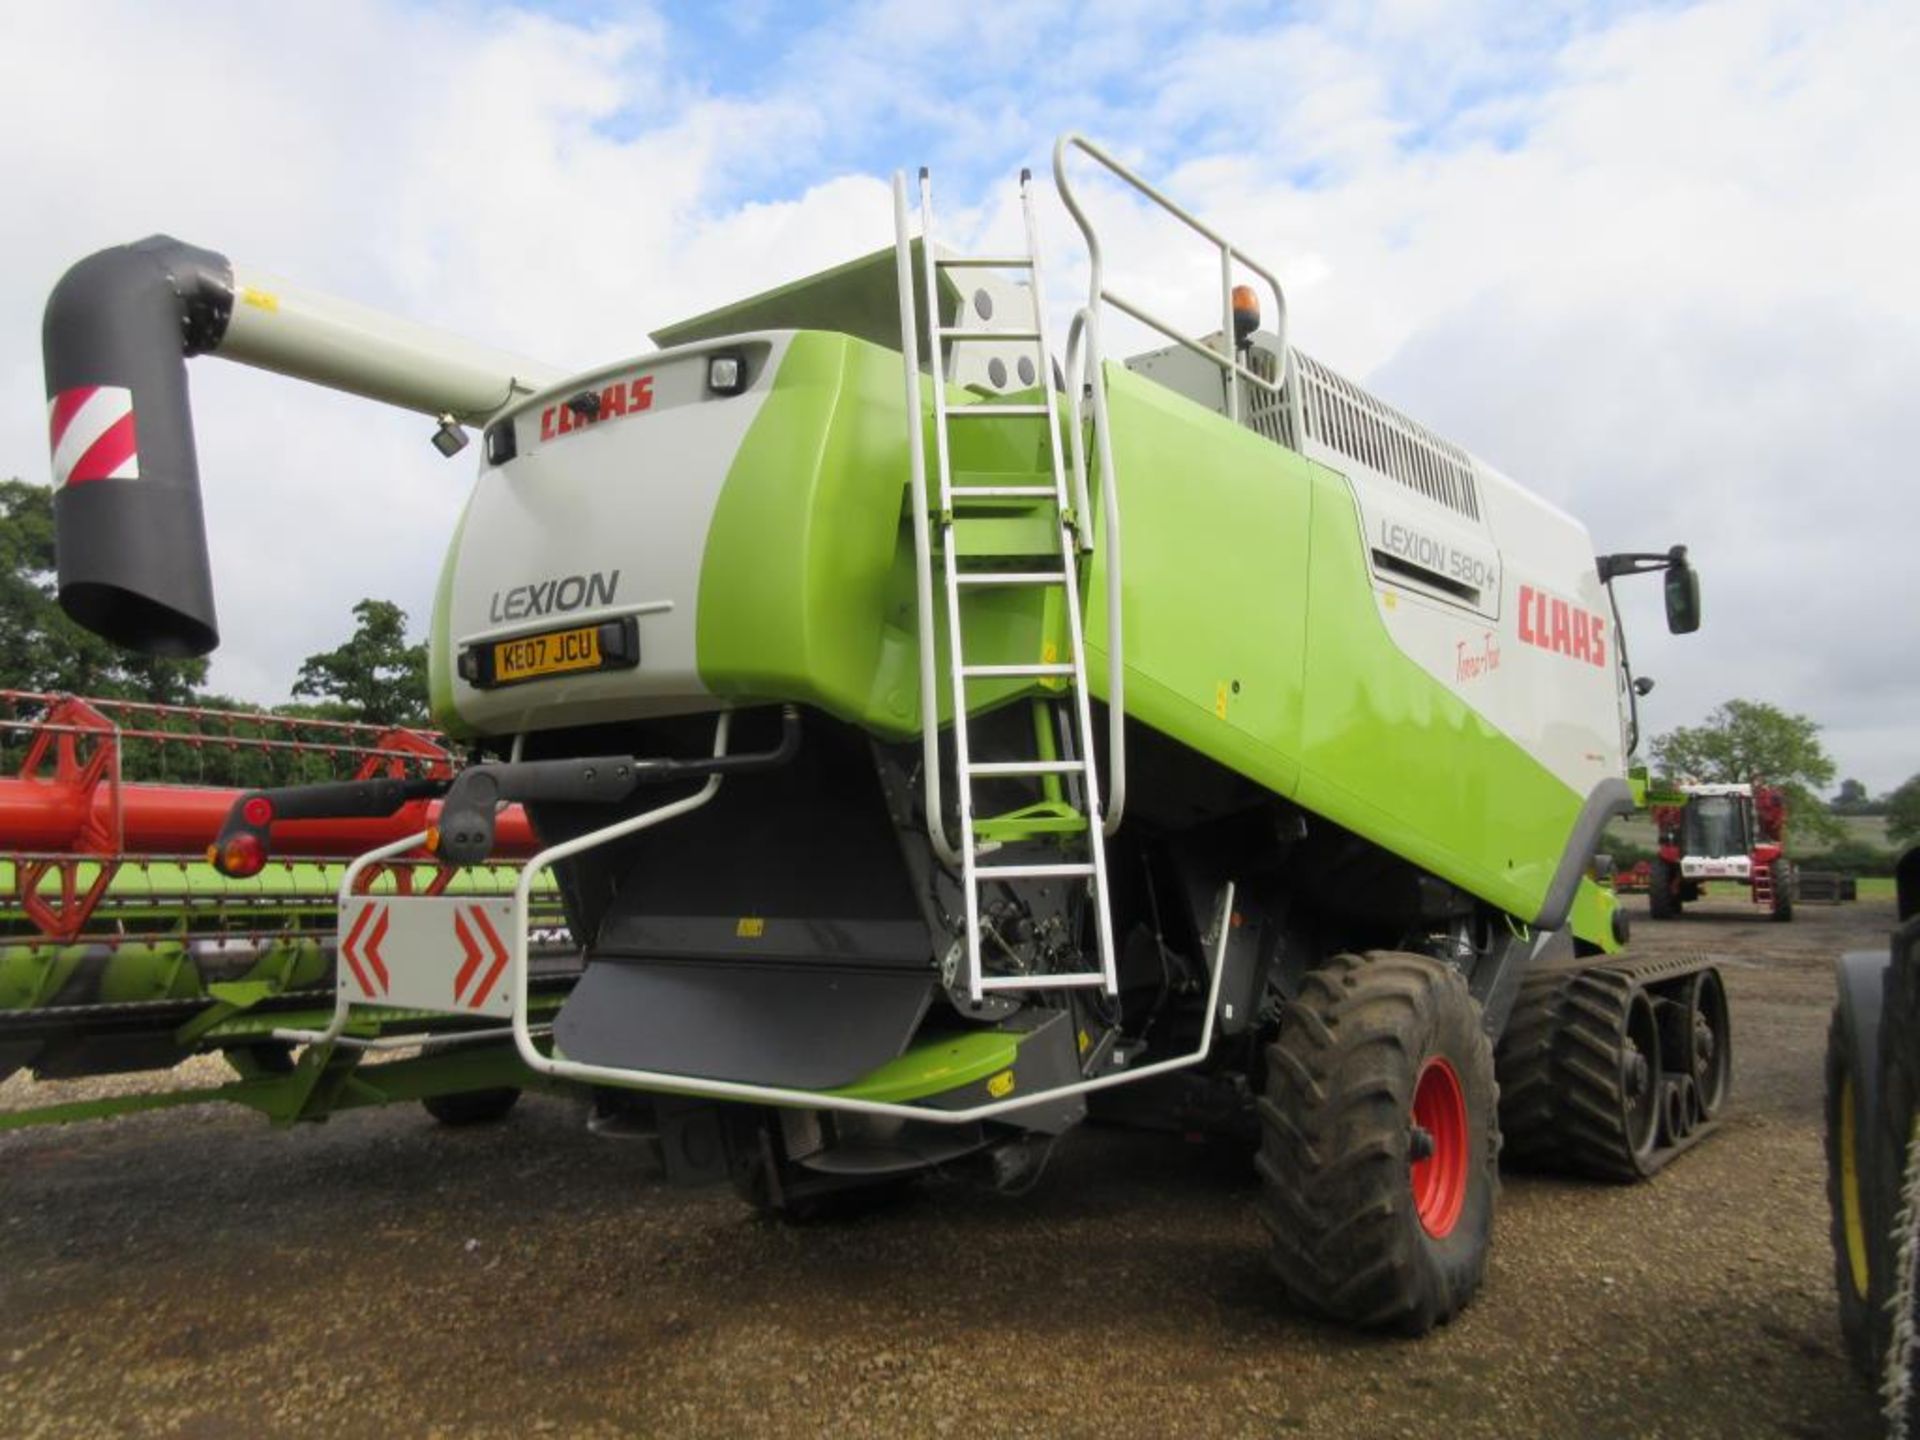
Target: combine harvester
column 904, row 814
column 124, row 948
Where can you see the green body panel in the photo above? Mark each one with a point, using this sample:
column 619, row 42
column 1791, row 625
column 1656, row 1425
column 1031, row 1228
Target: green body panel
column 807, row 582
column 937, row 1066
column 1592, row 916
column 1253, row 629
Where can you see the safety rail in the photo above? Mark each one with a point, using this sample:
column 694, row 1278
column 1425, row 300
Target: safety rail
column 525, row 1030
column 1098, row 290
column 922, row 542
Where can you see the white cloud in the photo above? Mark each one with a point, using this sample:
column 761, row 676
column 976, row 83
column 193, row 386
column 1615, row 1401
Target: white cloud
column 1659, row 265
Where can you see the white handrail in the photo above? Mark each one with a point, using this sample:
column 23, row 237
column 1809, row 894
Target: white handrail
column 541, row 1063
column 1229, row 254
column 1084, row 331
column 782, row 1095
column 922, row 554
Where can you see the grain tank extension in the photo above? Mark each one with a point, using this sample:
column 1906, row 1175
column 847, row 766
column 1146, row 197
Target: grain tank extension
column 940, row 730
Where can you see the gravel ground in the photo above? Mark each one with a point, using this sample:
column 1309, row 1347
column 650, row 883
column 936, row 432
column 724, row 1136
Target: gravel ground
column 193, row 1273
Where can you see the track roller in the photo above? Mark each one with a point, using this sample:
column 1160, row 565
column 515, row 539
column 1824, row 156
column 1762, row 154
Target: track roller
column 1611, row 1068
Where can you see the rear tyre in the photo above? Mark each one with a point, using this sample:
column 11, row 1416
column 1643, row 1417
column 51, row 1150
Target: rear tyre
column 1899, row 1141
column 1860, row 1268
column 1900, row 1377
column 472, row 1107
column 1663, row 891
column 1782, row 890
column 1380, row 1143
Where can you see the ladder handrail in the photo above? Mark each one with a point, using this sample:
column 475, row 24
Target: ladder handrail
column 1083, row 331
column 1229, row 253
column 922, row 553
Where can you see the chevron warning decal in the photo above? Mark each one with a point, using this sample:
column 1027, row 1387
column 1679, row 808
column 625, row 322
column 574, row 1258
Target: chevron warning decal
column 91, row 429
column 427, row 952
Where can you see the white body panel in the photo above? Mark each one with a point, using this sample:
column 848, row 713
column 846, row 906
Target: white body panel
column 601, row 521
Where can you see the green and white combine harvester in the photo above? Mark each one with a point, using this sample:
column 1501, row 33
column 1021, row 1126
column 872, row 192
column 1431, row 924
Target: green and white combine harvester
column 905, row 815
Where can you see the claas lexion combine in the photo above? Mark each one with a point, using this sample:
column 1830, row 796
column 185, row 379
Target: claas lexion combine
column 904, row 811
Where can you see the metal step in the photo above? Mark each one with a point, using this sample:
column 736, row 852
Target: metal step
column 989, row 410
column 958, row 332
column 1009, row 577
column 1004, row 492
column 993, row 768
column 1074, row 870
column 1081, row 981
column 1023, row 672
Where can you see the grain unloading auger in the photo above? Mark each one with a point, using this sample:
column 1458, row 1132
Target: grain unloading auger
column 801, row 640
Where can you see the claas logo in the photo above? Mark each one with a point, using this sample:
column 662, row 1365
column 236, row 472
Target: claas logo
column 622, row 397
column 1562, row 626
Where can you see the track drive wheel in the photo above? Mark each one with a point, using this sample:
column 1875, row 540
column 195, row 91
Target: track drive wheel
column 1380, row 1141
column 1782, row 871
column 1663, row 891
column 472, row 1107
column 1860, row 1256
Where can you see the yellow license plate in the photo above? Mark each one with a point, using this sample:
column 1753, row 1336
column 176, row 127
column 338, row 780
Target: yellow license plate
column 559, row 653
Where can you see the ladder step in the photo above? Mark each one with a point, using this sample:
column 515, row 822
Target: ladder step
column 1042, row 982
column 1025, row 767
column 956, row 332
column 1010, row 577
column 984, row 262
column 987, row 410
column 1079, row 870
column 984, row 672
column 1004, row 492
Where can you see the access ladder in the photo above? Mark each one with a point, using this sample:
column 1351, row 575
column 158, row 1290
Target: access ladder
column 959, row 523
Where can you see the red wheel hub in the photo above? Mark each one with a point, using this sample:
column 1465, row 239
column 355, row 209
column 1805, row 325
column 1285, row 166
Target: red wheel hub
column 1440, row 1178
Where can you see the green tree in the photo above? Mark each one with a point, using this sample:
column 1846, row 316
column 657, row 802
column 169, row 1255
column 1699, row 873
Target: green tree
column 376, row 676
column 1749, row 740
column 1851, row 797
column 1903, row 813
column 40, row 648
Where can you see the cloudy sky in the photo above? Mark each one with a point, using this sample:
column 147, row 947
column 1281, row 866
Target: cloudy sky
column 1661, row 263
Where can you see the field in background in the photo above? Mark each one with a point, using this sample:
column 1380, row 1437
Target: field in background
column 1863, row 829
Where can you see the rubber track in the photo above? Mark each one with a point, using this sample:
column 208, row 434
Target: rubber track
column 1561, row 1101
column 1334, row 1167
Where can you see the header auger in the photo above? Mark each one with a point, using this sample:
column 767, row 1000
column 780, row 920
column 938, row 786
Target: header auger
column 902, row 815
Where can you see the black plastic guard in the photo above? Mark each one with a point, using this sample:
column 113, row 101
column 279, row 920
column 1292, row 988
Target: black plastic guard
column 811, row 1027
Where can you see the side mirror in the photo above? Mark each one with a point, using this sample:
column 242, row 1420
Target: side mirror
column 1683, row 598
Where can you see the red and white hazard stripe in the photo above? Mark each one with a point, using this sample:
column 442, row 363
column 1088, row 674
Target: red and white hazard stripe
column 91, row 427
